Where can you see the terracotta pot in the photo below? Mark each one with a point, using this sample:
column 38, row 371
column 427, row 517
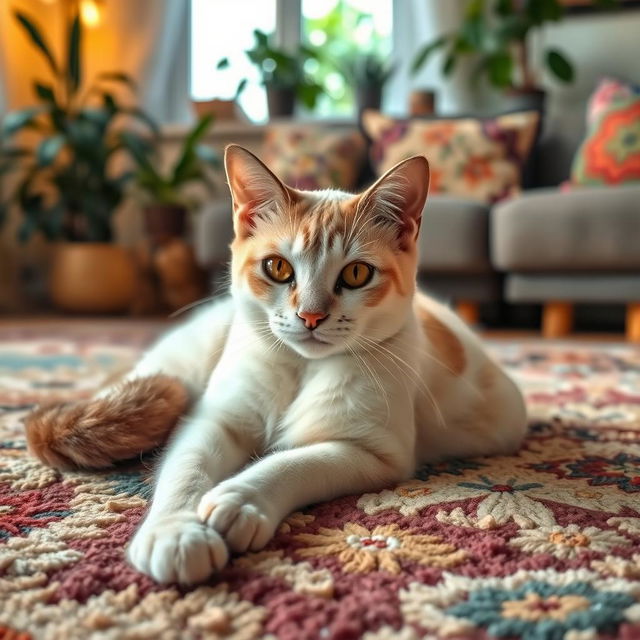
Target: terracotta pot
column 92, row 277
column 422, row 102
column 164, row 221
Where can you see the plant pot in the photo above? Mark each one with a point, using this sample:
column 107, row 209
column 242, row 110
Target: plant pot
column 368, row 96
column 221, row 109
column 281, row 101
column 163, row 222
column 92, row 277
column 524, row 100
column 422, row 102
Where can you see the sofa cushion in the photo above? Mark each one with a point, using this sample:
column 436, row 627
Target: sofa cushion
column 315, row 156
column 584, row 229
column 610, row 153
column 475, row 158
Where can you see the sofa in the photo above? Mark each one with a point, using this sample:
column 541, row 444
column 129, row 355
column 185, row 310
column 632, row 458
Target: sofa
column 548, row 245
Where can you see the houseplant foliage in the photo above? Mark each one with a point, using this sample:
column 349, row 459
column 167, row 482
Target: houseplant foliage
column 367, row 73
column 164, row 193
column 68, row 187
column 498, row 33
column 67, row 183
column 283, row 75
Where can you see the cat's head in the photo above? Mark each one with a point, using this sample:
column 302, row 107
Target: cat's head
column 325, row 271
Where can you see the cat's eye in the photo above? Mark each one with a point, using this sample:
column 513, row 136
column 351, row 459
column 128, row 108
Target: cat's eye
column 356, row 275
column 278, row 269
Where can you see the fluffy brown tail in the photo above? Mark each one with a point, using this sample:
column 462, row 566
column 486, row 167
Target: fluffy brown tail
column 137, row 417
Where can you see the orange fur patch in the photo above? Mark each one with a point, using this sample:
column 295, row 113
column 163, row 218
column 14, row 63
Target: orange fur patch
column 258, row 285
column 376, row 295
column 137, row 417
column 448, row 348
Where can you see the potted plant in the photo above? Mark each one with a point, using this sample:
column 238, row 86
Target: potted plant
column 163, row 193
column 68, row 185
column 367, row 73
column 498, row 33
column 283, row 75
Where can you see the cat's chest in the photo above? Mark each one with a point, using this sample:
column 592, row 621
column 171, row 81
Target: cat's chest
column 327, row 394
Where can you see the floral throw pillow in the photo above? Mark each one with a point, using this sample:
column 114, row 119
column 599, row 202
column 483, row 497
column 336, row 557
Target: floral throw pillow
column 310, row 156
column 610, row 154
column 470, row 157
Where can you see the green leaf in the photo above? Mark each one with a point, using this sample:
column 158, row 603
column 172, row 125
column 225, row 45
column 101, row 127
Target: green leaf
column 48, row 150
column 118, row 76
column 240, row 88
column 449, row 63
column 425, row 53
column 17, row 120
column 74, row 68
column 500, row 69
column 308, row 94
column 36, row 37
column 504, row 8
column 45, row 92
column 184, row 165
column 559, row 65
column 474, row 9
column 223, row 63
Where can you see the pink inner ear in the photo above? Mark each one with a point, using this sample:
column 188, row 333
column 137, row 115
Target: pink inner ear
column 245, row 218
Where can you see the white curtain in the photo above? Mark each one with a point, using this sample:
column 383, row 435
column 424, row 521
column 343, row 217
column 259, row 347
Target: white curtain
column 416, row 22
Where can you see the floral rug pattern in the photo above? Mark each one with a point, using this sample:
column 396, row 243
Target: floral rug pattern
column 541, row 545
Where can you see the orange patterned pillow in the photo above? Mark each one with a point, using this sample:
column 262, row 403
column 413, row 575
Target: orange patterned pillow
column 476, row 158
column 311, row 156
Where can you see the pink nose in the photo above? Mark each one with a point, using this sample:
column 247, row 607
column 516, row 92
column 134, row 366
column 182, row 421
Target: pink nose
column 311, row 318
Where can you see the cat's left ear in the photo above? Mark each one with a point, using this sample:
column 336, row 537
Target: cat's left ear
column 397, row 199
column 254, row 188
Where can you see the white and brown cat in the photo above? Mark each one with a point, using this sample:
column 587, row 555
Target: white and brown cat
column 324, row 373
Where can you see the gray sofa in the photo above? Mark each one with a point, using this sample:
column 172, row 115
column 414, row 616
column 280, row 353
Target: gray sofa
column 546, row 246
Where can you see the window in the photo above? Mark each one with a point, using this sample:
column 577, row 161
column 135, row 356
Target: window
column 338, row 28
column 342, row 29
column 224, row 28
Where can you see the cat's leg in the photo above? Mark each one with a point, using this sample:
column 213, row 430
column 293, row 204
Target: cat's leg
column 247, row 508
column 138, row 412
column 172, row 544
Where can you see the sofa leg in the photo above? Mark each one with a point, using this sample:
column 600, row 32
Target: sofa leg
column 557, row 319
column 633, row 322
column 468, row 311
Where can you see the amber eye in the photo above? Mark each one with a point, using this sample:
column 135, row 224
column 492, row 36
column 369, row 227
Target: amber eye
column 278, row 269
column 356, row 275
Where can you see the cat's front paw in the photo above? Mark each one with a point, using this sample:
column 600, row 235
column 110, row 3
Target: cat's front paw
column 237, row 515
column 177, row 548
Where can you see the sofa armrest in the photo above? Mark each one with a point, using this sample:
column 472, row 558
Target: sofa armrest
column 587, row 229
column 213, row 233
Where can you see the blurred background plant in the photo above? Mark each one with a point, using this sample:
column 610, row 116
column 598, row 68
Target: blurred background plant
column 153, row 186
column 68, row 184
column 283, row 74
column 498, row 33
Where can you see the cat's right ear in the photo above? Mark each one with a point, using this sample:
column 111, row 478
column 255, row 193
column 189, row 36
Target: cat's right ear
column 255, row 190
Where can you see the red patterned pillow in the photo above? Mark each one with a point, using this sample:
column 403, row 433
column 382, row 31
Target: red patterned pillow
column 610, row 154
column 311, row 156
column 470, row 157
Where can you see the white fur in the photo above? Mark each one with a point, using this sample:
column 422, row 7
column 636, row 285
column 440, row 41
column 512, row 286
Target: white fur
column 282, row 420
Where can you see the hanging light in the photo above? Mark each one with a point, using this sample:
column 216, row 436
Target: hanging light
column 90, row 13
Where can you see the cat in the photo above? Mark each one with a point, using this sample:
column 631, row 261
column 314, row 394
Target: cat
column 325, row 373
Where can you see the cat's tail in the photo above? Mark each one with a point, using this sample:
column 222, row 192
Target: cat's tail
column 135, row 416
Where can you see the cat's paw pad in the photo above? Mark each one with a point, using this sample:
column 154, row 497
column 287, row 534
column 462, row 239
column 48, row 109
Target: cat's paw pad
column 178, row 548
column 238, row 518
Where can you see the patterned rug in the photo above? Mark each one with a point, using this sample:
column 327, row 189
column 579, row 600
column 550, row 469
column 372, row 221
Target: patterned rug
column 542, row 545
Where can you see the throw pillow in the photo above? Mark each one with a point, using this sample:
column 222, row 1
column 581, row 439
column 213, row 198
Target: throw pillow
column 311, row 156
column 610, row 154
column 476, row 158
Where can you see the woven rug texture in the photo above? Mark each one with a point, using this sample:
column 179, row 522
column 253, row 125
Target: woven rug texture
column 541, row 545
